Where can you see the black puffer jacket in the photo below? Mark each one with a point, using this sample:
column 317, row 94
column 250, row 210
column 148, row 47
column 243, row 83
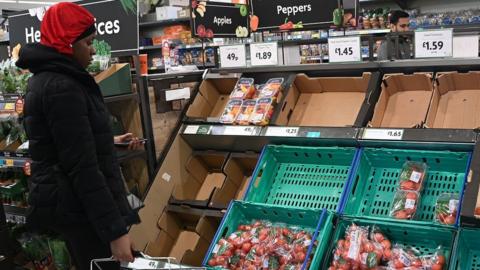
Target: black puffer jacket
column 75, row 174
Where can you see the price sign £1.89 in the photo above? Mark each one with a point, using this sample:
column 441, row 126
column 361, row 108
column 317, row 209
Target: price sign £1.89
column 433, row 43
column 344, row 49
column 233, row 56
column 264, row 54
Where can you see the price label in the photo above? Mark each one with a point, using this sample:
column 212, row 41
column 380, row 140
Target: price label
column 344, row 49
column 10, row 106
column 191, row 130
column 382, row 134
column 433, row 43
column 9, row 162
column 141, row 263
column 233, row 56
column 239, row 130
column 282, row 131
column 264, row 54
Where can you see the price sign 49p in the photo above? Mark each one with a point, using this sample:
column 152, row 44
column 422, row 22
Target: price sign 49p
column 233, row 56
column 433, row 43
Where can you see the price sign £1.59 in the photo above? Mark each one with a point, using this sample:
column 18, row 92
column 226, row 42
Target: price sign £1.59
column 264, row 54
column 233, row 56
column 433, row 43
column 344, row 49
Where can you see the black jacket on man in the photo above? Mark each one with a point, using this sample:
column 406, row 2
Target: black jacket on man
column 75, row 175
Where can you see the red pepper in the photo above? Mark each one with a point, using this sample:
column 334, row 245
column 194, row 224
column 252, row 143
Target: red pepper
column 287, row 25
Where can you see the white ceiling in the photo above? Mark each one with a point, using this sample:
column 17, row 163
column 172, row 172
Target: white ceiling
column 21, row 5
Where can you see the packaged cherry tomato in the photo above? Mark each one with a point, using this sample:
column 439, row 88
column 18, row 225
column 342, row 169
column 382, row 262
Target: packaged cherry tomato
column 248, row 107
column 244, row 89
column 434, row 262
column 263, row 112
column 413, row 175
column 404, row 258
column 446, row 208
column 404, row 204
column 271, row 89
column 231, row 111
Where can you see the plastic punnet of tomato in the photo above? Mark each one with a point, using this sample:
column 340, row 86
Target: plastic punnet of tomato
column 262, row 245
column 244, row 89
column 446, row 208
column 413, row 175
column 404, row 204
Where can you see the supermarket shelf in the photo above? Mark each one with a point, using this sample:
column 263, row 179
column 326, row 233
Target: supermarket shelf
column 251, row 138
column 362, row 66
column 148, row 48
column 126, row 155
column 13, row 162
column 15, row 214
column 111, row 99
column 195, row 211
column 163, row 23
column 433, row 138
column 166, row 76
column 430, row 65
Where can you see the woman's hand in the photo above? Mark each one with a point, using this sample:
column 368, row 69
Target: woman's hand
column 122, row 249
column 134, row 144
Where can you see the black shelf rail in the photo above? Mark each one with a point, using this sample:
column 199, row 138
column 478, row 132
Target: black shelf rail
column 112, row 99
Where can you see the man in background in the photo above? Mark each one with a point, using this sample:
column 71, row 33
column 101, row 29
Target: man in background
column 399, row 22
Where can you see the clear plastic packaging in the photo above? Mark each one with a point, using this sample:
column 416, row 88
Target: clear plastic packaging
column 248, row 107
column 263, row 112
column 446, row 208
column 404, row 204
column 231, row 111
column 244, row 89
column 413, row 175
column 271, row 89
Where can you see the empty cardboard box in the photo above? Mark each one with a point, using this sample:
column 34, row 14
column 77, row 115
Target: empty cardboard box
column 205, row 176
column 404, row 101
column 238, row 169
column 323, row 101
column 187, row 240
column 116, row 80
column 456, row 103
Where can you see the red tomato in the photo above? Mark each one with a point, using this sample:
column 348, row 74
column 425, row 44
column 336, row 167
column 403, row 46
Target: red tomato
column 437, row 266
column 398, row 264
column 241, row 227
column 440, row 259
column 411, row 195
column 450, row 220
column 212, row 262
column 407, row 185
column 340, row 243
column 227, row 253
column 387, row 254
column 368, row 247
column 386, row 244
column 401, row 214
column 246, row 247
column 417, row 263
column 378, row 237
column 220, row 260
column 300, row 257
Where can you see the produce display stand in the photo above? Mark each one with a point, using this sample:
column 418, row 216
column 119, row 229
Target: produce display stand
column 452, row 152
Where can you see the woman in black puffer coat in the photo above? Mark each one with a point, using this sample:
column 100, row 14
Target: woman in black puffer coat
column 76, row 188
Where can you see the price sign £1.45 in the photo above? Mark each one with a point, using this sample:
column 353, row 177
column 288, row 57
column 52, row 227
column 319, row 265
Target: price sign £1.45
column 233, row 56
column 264, row 54
column 433, row 43
column 344, row 49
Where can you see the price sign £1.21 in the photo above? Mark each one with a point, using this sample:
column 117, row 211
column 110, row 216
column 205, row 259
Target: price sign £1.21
column 233, row 56
column 433, row 43
column 264, row 54
column 344, row 49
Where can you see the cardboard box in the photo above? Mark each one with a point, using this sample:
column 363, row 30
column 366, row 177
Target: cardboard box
column 238, row 168
column 456, row 101
column 323, row 101
column 116, row 80
column 404, row 101
column 167, row 13
column 186, row 238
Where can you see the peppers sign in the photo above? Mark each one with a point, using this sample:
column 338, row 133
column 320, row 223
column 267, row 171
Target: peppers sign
column 291, row 14
column 116, row 22
column 215, row 19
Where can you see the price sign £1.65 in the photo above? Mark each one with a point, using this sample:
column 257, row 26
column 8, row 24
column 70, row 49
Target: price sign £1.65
column 433, row 43
column 264, row 54
column 233, row 56
column 344, row 49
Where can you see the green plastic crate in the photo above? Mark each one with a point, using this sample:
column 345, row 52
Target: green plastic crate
column 424, row 239
column 467, row 250
column 302, row 177
column 317, row 222
column 376, row 181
